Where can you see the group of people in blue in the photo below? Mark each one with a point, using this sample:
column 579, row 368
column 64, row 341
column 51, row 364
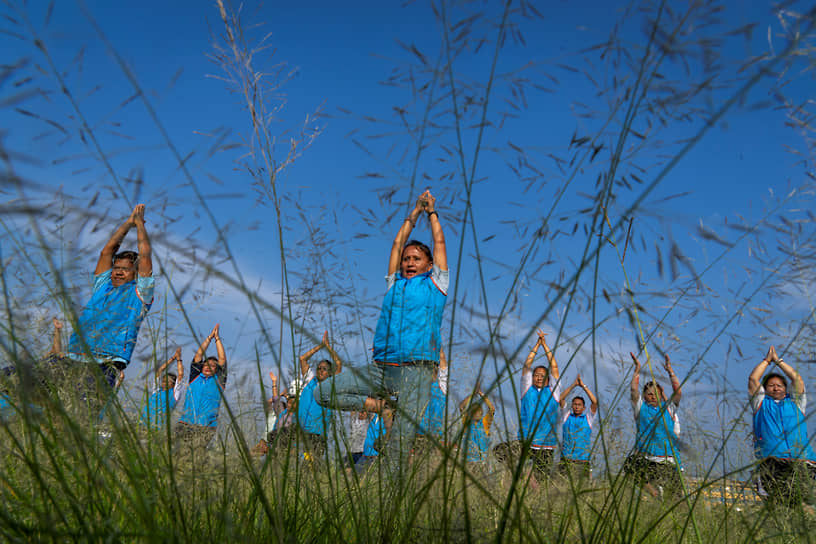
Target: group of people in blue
column 400, row 397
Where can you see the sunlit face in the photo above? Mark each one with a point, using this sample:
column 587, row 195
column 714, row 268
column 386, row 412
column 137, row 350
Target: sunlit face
column 776, row 388
column 577, row 406
column 650, row 395
column 414, row 262
column 323, row 370
column 539, row 377
column 209, row 368
column 124, row 271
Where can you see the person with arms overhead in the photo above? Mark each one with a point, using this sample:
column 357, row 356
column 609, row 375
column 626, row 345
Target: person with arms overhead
column 655, row 463
column 576, row 424
column 407, row 338
column 167, row 389
column 313, row 419
column 540, row 394
column 208, row 378
column 787, row 463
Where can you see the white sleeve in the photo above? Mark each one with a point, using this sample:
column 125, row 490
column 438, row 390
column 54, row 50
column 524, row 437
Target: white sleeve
column 556, row 391
column 441, row 278
column 757, row 398
column 672, row 409
column 390, row 279
column 590, row 417
column 565, row 413
column 443, row 380
column 636, row 406
column 310, row 374
column 526, row 382
column 178, row 389
column 800, row 401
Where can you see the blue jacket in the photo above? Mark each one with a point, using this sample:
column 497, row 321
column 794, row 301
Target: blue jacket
column 110, row 322
column 155, row 411
column 477, row 441
column 433, row 420
column 780, row 430
column 577, row 438
column 312, row 417
column 539, row 417
column 376, row 429
column 410, row 321
column 656, row 435
column 203, row 396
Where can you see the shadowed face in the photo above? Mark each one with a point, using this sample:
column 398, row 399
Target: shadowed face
column 168, row 382
column 414, row 262
column 577, row 406
column 776, row 388
column 209, row 368
column 323, row 370
column 650, row 395
column 124, row 271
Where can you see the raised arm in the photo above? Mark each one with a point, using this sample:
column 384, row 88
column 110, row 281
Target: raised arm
column 755, row 379
column 403, row 234
column 443, row 361
column 487, row 421
column 554, row 375
column 179, row 366
column 145, row 257
column 440, row 252
column 274, row 384
column 563, row 400
column 202, row 349
column 634, row 387
column 304, row 359
column 338, row 364
column 677, row 392
column 592, row 398
column 528, row 364
column 219, row 346
column 105, row 261
column 56, row 339
column 175, row 357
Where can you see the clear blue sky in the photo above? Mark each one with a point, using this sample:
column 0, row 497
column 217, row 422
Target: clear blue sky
column 353, row 64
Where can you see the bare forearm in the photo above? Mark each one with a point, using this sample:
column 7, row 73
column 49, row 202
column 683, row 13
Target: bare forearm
column 796, row 380
column 440, row 251
column 202, row 349
column 222, row 355
column 756, row 376
column 145, row 255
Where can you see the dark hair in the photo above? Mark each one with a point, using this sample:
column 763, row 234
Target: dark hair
column 131, row 256
column 579, row 397
column 327, row 362
column 547, row 370
column 422, row 247
column 656, row 386
column 211, row 358
column 774, row 375
column 171, row 375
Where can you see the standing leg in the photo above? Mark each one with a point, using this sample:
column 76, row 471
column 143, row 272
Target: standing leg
column 412, row 385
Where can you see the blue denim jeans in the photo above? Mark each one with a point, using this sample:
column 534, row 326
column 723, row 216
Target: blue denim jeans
column 409, row 385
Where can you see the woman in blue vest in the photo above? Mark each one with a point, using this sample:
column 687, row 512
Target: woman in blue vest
column 313, row 420
column 540, row 394
column 407, row 338
column 787, row 463
column 476, row 425
column 655, row 463
column 208, row 377
column 161, row 402
column 576, row 425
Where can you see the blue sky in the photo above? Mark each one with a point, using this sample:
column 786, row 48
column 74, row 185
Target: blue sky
column 352, row 184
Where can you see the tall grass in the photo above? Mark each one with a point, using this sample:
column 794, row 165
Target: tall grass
column 462, row 102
